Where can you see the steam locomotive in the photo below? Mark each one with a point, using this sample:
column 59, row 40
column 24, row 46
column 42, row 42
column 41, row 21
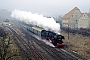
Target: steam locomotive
column 55, row 38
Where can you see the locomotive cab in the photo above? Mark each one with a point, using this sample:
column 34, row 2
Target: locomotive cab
column 47, row 35
column 43, row 34
column 50, row 35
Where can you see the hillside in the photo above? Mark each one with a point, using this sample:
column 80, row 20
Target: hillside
column 4, row 14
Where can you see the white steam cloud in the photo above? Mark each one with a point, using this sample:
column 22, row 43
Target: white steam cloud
column 36, row 19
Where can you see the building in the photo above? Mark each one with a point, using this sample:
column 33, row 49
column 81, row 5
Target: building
column 84, row 21
column 6, row 22
column 71, row 18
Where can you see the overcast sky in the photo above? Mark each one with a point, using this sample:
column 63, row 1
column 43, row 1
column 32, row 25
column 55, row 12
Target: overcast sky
column 46, row 7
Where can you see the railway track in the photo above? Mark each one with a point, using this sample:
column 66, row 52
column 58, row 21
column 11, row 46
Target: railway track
column 73, row 53
column 30, row 51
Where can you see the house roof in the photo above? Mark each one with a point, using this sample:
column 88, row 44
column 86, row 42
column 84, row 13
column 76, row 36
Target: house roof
column 69, row 14
column 88, row 14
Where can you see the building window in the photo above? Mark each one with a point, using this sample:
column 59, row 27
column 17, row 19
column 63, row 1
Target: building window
column 72, row 15
column 76, row 21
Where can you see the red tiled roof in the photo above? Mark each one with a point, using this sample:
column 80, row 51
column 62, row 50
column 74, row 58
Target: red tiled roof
column 69, row 14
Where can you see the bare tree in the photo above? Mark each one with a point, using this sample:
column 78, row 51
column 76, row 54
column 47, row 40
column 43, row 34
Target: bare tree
column 5, row 42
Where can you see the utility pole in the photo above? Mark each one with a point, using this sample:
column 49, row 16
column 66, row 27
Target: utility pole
column 68, row 30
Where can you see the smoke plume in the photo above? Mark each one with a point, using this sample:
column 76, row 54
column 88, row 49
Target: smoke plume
column 36, row 19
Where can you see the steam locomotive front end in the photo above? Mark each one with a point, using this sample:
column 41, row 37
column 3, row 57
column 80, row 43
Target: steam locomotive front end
column 59, row 41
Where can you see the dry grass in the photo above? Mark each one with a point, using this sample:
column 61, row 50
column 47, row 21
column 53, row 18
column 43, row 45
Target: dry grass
column 78, row 43
column 15, row 50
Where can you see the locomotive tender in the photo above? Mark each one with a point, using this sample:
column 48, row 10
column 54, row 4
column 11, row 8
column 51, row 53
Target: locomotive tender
column 56, row 39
